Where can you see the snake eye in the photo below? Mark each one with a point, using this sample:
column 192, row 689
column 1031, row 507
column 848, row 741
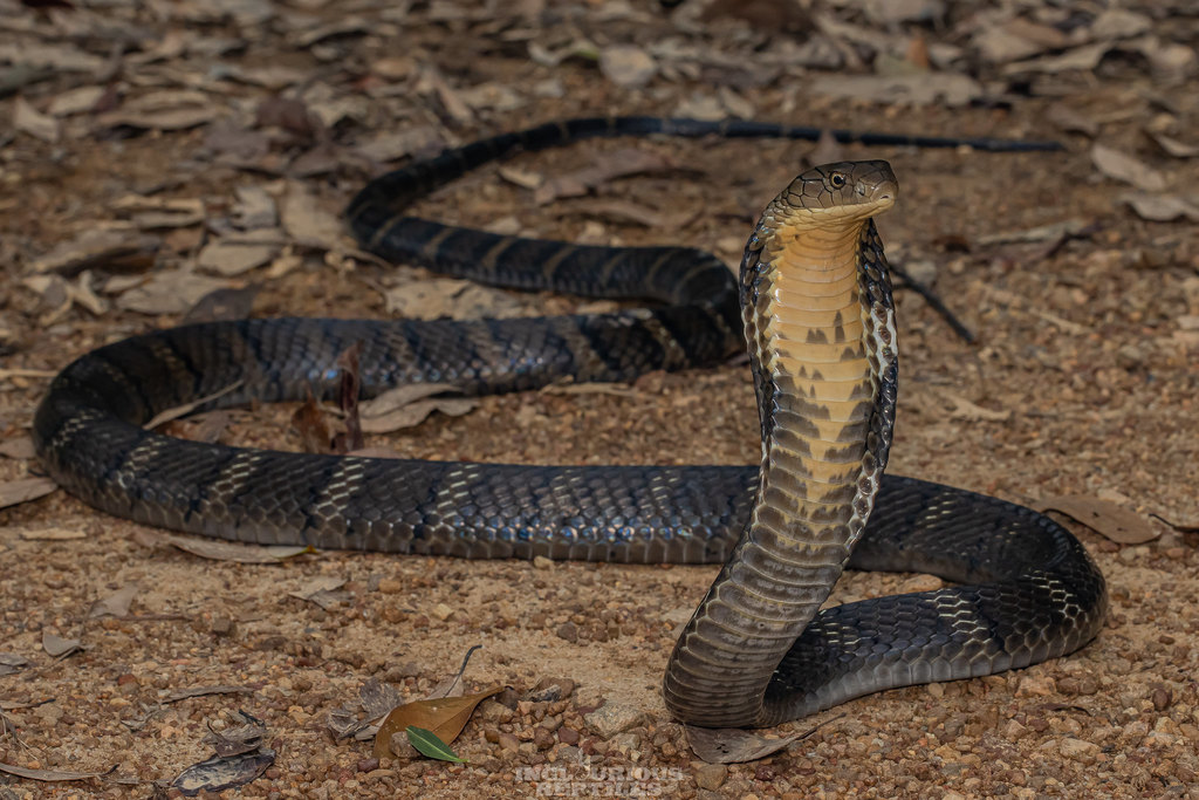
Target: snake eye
column 837, row 179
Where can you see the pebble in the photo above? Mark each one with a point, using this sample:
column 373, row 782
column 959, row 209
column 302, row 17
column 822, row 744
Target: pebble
column 442, row 611
column 613, row 718
column 711, row 776
column 1079, row 750
column 1036, row 686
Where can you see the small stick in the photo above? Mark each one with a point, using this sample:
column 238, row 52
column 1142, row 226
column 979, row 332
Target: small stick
column 930, row 297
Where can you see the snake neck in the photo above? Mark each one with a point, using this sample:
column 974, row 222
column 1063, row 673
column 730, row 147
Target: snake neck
column 820, row 329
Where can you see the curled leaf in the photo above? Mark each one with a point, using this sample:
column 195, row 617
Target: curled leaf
column 1106, row 518
column 444, row 718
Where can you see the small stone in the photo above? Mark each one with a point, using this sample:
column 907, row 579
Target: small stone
column 442, row 611
column 509, row 742
column 1036, row 686
column 568, row 631
column 711, row 776
column 541, row 562
column 223, row 626
column 627, row 65
column 613, row 718
column 551, row 690
column 568, row 736
column 391, row 586
column 1079, row 750
column 543, row 738
column 1013, row 730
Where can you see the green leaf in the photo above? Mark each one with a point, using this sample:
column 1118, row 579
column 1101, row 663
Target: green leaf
column 427, row 743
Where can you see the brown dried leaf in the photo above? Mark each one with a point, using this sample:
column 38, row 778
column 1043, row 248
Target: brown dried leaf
column 1071, row 121
column 1174, row 147
column 309, row 420
column 219, row 550
column 116, row 604
column 230, row 257
column 321, row 591
column 239, row 739
column 172, row 291
column 616, row 210
column 348, row 391
column 51, row 534
column 408, row 406
column 1123, row 167
column 176, row 412
column 1160, row 207
column 19, row 447
column 604, row 168
column 56, row 646
column 1104, row 517
column 205, row 691
column 415, row 141
column 439, row 298
column 306, row 221
column 217, row 774
column 445, row 717
column 48, row 775
column 112, row 250
column 734, row 745
column 223, row 304
column 27, row 119
column 627, row 65
column 25, row 489
column 966, row 410
column 922, row 89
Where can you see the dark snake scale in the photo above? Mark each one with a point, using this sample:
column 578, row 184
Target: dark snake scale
column 814, row 304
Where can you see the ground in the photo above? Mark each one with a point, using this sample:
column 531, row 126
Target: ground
column 1081, row 382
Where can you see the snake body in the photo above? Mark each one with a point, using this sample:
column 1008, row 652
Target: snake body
column 814, row 305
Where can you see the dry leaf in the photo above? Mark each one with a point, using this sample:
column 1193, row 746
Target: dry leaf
column 24, row 490
column 964, row 409
column 116, row 604
column 228, row 258
column 204, row 691
column 28, row 119
column 1160, row 207
column 321, row 591
column 217, row 774
column 310, row 422
column 1071, row 121
column 1174, row 147
column 110, row 249
column 217, row 550
column 604, row 168
column 168, row 414
column 1123, row 167
column 445, row 717
column 51, row 534
column 627, row 65
column 19, row 447
column 439, row 298
column 56, row 646
column 408, row 406
column 306, row 221
column 734, row 745
column 921, row 89
column 1112, row 521
column 48, row 775
column 172, row 291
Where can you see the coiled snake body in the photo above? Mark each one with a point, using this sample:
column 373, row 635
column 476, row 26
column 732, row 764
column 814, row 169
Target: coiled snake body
column 814, row 304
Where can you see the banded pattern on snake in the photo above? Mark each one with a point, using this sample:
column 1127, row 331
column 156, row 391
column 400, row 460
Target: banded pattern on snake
column 814, row 303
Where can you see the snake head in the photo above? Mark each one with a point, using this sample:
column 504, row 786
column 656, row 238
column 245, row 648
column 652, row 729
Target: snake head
column 834, row 197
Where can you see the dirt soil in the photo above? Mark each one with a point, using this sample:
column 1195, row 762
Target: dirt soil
column 1082, row 381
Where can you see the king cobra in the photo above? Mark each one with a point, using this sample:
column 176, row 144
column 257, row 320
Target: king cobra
column 814, row 305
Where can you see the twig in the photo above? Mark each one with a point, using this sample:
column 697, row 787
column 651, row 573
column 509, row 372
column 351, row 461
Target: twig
column 930, row 297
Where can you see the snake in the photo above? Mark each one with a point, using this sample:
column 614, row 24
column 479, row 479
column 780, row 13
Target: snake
column 812, row 305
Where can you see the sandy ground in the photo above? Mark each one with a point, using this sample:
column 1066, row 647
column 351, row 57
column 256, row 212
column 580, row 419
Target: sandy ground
column 1084, row 374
